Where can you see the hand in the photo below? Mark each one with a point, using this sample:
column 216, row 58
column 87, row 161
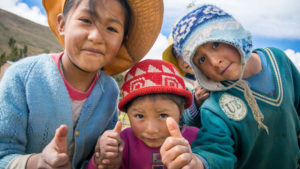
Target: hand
column 54, row 154
column 109, row 149
column 200, row 94
column 176, row 151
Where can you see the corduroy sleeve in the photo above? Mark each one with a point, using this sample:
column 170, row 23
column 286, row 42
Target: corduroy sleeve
column 191, row 116
column 214, row 142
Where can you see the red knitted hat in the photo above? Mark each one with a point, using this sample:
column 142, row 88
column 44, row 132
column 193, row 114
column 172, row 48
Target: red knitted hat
column 153, row 76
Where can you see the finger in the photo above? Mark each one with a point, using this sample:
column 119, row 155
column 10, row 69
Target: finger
column 118, row 127
column 110, row 155
column 175, row 154
column 173, row 128
column 60, row 138
column 182, row 161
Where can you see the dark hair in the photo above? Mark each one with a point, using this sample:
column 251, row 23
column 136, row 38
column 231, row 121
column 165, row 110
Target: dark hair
column 69, row 4
column 177, row 99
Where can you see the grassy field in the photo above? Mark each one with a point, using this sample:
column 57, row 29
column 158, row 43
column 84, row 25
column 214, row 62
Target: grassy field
column 38, row 38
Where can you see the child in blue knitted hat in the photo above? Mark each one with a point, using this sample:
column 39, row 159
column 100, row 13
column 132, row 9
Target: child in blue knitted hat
column 250, row 120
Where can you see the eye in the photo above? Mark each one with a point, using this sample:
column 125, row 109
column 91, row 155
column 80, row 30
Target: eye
column 85, row 20
column 215, row 45
column 201, row 60
column 163, row 115
column 139, row 116
column 112, row 29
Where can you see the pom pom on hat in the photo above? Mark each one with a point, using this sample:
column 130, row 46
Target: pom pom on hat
column 208, row 23
column 153, row 76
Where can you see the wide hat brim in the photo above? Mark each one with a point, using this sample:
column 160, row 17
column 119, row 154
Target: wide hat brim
column 146, row 22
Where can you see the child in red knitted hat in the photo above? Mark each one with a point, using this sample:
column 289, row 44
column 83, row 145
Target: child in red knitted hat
column 154, row 97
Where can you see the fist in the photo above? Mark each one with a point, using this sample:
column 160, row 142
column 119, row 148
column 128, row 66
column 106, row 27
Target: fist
column 200, row 94
column 54, row 154
column 176, row 152
column 109, row 148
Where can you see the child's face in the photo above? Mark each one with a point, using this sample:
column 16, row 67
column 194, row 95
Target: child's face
column 218, row 61
column 184, row 66
column 93, row 42
column 148, row 119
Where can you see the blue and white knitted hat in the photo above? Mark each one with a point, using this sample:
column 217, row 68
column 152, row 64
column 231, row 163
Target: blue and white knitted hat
column 208, row 23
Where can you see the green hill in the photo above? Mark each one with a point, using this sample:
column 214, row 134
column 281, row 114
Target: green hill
column 37, row 38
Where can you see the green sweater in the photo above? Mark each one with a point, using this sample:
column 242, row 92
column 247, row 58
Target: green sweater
column 230, row 137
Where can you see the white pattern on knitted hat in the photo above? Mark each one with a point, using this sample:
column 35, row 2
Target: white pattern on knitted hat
column 170, row 81
column 153, row 69
column 139, row 71
column 140, row 83
column 125, row 93
column 176, row 71
column 166, row 70
column 129, row 76
column 150, row 83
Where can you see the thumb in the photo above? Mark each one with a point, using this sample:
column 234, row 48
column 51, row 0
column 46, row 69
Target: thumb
column 173, row 127
column 118, row 127
column 60, row 138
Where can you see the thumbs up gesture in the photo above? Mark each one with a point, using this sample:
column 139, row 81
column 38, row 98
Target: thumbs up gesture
column 54, row 154
column 109, row 148
column 176, row 151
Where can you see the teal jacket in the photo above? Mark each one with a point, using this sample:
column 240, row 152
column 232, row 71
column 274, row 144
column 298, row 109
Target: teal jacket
column 230, row 138
column 34, row 102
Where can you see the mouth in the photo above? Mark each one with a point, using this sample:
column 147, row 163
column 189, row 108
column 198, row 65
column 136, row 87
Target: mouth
column 93, row 51
column 225, row 70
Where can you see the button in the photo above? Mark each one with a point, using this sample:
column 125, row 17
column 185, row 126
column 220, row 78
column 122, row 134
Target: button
column 77, row 133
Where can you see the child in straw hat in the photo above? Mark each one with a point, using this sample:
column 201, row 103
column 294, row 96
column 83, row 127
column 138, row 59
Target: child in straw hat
column 191, row 115
column 153, row 91
column 250, row 120
column 54, row 107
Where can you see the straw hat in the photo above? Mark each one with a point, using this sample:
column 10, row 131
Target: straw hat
column 146, row 21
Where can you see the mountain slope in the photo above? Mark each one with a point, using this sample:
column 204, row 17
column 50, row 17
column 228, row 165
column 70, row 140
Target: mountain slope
column 38, row 38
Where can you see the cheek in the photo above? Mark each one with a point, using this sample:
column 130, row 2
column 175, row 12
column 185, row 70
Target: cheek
column 136, row 127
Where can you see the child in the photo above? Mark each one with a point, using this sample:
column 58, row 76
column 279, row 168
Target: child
column 54, row 107
column 250, row 120
column 191, row 115
column 153, row 90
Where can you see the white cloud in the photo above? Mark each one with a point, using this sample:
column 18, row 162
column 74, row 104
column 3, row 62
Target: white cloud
column 19, row 8
column 159, row 46
column 294, row 56
column 267, row 18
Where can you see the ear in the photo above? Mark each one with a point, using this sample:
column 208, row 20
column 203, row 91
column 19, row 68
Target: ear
column 61, row 24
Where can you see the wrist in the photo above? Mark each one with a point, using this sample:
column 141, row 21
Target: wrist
column 33, row 160
column 198, row 161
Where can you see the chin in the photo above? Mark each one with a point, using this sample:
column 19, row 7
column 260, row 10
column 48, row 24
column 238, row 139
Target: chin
column 153, row 145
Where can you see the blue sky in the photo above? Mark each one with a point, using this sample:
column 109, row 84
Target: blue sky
column 272, row 23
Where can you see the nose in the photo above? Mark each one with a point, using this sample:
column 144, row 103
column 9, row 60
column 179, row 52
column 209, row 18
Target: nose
column 215, row 60
column 96, row 35
column 152, row 127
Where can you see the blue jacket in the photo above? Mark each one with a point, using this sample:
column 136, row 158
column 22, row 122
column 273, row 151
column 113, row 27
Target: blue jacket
column 35, row 102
